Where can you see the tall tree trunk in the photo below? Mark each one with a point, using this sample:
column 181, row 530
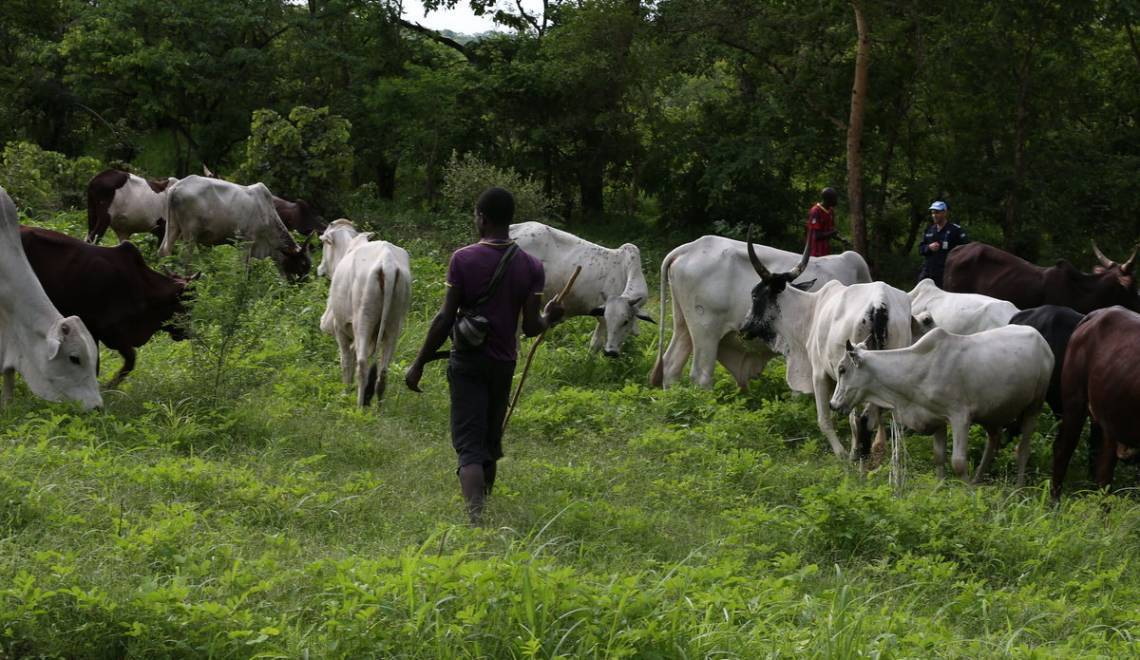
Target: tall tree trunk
column 1012, row 237
column 855, row 133
column 385, row 179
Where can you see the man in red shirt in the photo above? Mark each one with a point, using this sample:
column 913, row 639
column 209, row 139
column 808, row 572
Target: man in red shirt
column 821, row 224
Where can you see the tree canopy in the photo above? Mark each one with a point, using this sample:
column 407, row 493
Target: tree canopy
column 700, row 112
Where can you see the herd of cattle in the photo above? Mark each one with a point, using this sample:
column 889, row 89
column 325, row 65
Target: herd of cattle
column 1003, row 339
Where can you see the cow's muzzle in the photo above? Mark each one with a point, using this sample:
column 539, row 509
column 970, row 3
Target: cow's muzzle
column 610, row 353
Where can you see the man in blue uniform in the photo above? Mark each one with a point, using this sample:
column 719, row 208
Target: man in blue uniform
column 940, row 237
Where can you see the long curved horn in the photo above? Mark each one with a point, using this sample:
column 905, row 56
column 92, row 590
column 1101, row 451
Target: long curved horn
column 1126, row 267
column 799, row 269
column 756, row 264
column 1104, row 261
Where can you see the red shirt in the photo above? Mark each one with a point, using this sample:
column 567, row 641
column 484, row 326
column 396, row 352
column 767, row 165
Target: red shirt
column 820, row 221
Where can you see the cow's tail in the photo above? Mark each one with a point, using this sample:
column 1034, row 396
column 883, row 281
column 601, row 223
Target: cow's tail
column 657, row 376
column 98, row 212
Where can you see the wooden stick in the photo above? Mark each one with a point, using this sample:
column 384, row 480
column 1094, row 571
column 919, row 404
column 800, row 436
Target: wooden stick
column 530, row 356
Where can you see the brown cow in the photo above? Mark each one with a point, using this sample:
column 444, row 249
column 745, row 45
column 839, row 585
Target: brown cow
column 299, row 216
column 126, row 203
column 1099, row 380
column 119, row 298
column 981, row 268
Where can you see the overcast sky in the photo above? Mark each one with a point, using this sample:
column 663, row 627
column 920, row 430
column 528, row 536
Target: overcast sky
column 460, row 19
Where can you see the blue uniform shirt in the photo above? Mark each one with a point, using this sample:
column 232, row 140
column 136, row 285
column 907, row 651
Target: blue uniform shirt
column 950, row 236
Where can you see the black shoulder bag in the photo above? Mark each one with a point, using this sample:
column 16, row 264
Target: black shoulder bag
column 471, row 328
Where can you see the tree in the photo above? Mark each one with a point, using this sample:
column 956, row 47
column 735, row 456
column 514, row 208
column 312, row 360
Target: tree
column 306, row 155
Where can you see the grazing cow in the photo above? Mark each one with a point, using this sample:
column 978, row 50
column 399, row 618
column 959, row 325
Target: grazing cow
column 812, row 329
column 369, row 298
column 299, row 216
column 709, row 280
column 335, row 241
column 960, row 313
column 984, row 269
column 991, row 378
column 126, row 203
column 212, row 211
column 55, row 354
column 610, row 287
column 120, row 299
column 1099, row 381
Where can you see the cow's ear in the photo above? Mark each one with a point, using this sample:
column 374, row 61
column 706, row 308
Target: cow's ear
column 598, row 311
column 805, row 286
column 307, row 246
column 852, row 352
column 645, row 317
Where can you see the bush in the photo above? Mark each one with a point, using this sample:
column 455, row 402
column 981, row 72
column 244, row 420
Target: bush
column 43, row 182
column 467, row 176
column 306, row 155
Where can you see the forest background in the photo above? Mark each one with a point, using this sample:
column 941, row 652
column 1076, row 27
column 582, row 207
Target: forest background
column 700, row 115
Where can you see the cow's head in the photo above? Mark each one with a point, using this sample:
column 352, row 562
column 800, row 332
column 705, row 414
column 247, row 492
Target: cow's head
column 335, row 243
column 62, row 366
column 619, row 314
column 851, row 380
column 174, row 307
column 761, row 320
column 1123, row 272
column 295, row 261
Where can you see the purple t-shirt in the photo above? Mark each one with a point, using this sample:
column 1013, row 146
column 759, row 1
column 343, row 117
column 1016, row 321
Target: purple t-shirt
column 470, row 272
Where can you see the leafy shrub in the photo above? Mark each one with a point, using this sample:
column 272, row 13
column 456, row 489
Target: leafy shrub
column 42, row 182
column 467, row 176
column 306, row 155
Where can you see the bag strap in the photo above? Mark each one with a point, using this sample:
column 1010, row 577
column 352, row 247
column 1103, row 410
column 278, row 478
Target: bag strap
column 500, row 270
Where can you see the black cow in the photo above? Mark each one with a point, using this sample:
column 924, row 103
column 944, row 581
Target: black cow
column 119, row 298
column 981, row 268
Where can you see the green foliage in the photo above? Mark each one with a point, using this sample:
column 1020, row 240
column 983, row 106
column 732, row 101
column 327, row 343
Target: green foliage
column 467, row 176
column 306, row 155
column 44, row 182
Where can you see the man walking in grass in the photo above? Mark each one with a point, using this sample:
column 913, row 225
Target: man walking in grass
column 489, row 283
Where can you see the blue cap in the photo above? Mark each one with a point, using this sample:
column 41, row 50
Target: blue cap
column 938, row 206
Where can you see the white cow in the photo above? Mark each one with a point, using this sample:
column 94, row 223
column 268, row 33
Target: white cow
column 369, row 298
column 960, row 313
column 709, row 280
column 55, row 355
column 212, row 211
column 991, row 378
column 125, row 203
column 811, row 331
column 610, row 287
column 335, row 241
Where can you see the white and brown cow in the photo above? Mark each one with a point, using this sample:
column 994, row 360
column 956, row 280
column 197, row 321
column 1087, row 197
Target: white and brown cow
column 125, row 203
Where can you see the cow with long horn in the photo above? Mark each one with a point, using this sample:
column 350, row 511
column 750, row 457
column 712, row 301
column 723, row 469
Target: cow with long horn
column 811, row 330
column 1123, row 271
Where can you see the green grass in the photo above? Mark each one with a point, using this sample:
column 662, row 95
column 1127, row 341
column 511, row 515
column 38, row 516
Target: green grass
column 249, row 509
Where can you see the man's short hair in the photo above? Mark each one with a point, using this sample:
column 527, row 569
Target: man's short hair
column 497, row 206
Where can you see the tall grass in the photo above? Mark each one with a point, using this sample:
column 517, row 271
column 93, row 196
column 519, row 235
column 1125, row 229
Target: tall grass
column 245, row 507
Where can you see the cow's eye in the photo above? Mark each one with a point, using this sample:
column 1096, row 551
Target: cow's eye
column 74, row 359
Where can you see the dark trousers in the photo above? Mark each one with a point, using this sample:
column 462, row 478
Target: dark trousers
column 480, row 390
